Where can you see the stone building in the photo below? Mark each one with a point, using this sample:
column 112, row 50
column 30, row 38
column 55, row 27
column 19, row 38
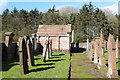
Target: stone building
column 60, row 35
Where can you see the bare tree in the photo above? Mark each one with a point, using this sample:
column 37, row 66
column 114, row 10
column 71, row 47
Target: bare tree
column 69, row 10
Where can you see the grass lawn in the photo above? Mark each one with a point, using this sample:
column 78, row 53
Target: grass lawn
column 56, row 67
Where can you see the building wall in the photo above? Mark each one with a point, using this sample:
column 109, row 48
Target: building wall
column 64, row 43
column 55, row 43
column 58, row 43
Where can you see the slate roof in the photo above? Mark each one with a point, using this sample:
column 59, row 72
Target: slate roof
column 49, row 30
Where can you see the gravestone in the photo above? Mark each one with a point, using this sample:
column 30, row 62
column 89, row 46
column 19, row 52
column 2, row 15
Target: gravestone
column 87, row 47
column 47, row 52
column 8, row 38
column 50, row 47
column 23, row 56
column 31, row 40
column 44, row 51
column 117, row 47
column 10, row 47
column 96, row 51
column 29, row 52
column 101, row 53
column 12, row 51
column 72, row 36
column 112, row 71
column 25, row 37
column 119, row 50
column 34, row 41
column 91, row 50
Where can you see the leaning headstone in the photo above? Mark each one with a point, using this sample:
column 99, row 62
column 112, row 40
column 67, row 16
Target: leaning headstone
column 29, row 52
column 112, row 71
column 23, row 56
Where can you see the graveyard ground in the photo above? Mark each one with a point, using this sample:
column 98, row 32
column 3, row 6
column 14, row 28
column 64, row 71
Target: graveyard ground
column 82, row 67
column 56, row 67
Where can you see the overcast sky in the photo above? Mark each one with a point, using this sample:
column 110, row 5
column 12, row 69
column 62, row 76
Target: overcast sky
column 44, row 5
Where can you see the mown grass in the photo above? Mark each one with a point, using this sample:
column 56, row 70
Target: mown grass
column 56, row 67
column 81, row 67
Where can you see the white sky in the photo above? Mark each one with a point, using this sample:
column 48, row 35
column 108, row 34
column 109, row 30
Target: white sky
column 113, row 8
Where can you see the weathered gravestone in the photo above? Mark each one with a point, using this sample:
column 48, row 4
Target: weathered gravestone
column 44, row 51
column 101, row 51
column 30, row 53
column 96, row 50
column 112, row 72
column 23, row 56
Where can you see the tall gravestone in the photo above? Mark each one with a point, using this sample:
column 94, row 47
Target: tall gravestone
column 29, row 52
column 96, row 51
column 101, row 53
column 23, row 56
column 112, row 71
